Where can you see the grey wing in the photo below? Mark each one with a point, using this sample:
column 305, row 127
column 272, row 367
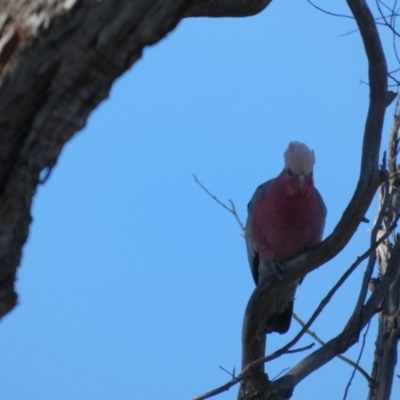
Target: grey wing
column 324, row 211
column 252, row 251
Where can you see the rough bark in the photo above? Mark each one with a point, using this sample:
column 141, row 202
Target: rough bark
column 58, row 60
column 225, row 8
column 389, row 264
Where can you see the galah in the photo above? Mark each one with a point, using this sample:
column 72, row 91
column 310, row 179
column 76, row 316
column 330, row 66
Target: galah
column 286, row 216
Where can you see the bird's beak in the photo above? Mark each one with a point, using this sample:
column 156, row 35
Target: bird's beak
column 301, row 178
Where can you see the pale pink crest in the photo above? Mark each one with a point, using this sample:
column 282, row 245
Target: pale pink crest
column 299, row 158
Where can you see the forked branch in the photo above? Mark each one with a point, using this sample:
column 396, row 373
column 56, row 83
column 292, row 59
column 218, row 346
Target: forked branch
column 253, row 342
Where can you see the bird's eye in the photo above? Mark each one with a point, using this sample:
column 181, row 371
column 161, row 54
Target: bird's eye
column 290, row 172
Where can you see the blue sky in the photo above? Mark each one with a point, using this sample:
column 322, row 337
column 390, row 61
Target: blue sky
column 133, row 282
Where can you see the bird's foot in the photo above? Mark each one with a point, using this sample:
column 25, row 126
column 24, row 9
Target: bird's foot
column 277, row 269
column 270, row 267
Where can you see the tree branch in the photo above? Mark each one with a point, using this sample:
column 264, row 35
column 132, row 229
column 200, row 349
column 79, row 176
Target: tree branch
column 340, row 343
column 286, row 349
column 356, row 366
column 340, row 356
column 232, row 210
column 225, row 8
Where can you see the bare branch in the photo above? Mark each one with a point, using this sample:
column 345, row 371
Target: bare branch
column 259, row 303
column 389, row 266
column 349, row 33
column 386, row 23
column 344, row 340
column 232, row 374
column 280, row 373
column 225, row 8
column 232, row 210
column 241, row 376
column 301, row 349
column 374, row 239
column 329, row 12
column 286, row 349
column 356, row 366
column 386, row 349
column 340, row 356
column 396, row 81
column 221, row 389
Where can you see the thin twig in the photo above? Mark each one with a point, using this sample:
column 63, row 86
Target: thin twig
column 239, row 378
column 343, row 358
column 344, row 15
column 357, row 30
column 386, row 23
column 231, row 210
column 301, row 349
column 232, row 374
column 328, row 12
column 396, row 81
column 349, row 33
column 358, row 360
column 220, row 389
column 280, row 373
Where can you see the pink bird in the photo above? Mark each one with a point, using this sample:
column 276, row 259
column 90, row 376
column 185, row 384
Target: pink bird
column 286, row 216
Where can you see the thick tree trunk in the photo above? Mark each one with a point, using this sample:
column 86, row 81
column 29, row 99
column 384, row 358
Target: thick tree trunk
column 385, row 359
column 58, row 60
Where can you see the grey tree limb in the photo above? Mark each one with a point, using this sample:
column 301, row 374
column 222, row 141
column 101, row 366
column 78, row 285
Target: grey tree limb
column 286, row 349
column 343, row 358
column 341, row 342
